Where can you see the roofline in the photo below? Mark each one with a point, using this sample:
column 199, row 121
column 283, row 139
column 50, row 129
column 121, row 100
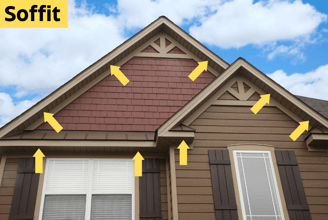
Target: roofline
column 226, row 75
column 76, row 143
column 45, row 102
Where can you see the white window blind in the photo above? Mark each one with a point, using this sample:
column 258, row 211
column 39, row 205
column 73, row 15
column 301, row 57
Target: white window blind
column 64, row 207
column 88, row 189
column 257, row 186
column 67, row 176
column 105, row 207
column 112, row 177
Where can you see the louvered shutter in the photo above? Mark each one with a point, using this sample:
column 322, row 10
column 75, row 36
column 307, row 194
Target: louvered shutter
column 150, row 190
column 26, row 187
column 292, row 185
column 223, row 189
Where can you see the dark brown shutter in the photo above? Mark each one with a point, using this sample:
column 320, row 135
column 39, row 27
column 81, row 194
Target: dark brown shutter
column 292, row 185
column 150, row 190
column 26, row 187
column 223, row 189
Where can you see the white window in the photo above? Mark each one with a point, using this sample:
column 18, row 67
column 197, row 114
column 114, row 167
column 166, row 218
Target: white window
column 257, row 186
column 84, row 189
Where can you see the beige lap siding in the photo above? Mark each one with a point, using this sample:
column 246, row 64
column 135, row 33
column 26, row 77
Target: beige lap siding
column 220, row 126
column 7, row 187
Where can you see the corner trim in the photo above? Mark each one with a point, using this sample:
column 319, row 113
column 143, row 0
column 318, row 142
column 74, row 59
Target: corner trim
column 2, row 167
column 174, row 185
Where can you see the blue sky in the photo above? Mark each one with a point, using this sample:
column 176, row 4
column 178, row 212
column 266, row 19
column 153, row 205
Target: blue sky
column 286, row 39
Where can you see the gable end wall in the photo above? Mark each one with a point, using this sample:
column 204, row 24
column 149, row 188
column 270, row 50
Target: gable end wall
column 220, row 126
column 158, row 88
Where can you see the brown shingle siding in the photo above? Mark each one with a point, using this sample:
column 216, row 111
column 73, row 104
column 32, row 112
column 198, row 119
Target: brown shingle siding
column 151, row 94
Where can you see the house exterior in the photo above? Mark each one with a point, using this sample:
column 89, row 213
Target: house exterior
column 240, row 165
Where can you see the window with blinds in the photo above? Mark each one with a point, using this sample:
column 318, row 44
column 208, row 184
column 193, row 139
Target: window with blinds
column 84, row 189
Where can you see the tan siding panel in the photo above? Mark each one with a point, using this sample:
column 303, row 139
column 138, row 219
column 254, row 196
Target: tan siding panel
column 298, row 152
column 5, row 200
column 316, row 191
column 317, row 200
column 195, row 199
column 319, row 216
column 5, row 209
column 242, row 130
column 221, row 126
column 193, row 165
column 242, row 116
column 225, row 143
column 7, row 187
column 4, row 216
column 315, row 183
column 195, row 158
column 244, row 137
column 193, row 174
column 196, row 208
column 246, row 123
column 196, row 216
column 11, row 166
column 193, row 182
column 314, row 176
column 195, row 191
column 6, row 191
column 10, row 174
column 322, row 209
column 242, row 109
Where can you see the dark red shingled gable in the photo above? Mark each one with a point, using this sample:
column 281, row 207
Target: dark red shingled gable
column 158, row 88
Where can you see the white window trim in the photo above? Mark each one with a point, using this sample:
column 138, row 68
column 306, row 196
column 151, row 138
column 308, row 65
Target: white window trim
column 89, row 192
column 240, row 187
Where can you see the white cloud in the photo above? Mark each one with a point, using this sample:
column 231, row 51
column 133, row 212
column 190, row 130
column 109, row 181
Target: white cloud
column 311, row 84
column 138, row 14
column 241, row 22
column 293, row 50
column 41, row 60
column 9, row 109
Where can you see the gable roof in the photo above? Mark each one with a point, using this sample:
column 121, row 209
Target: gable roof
column 242, row 67
column 100, row 69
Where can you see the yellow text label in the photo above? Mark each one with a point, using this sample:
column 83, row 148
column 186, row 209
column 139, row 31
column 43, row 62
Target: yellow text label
column 33, row 14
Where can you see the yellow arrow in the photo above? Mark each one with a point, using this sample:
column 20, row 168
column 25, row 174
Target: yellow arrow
column 183, row 147
column 48, row 117
column 304, row 125
column 265, row 99
column 198, row 70
column 38, row 161
column 115, row 70
column 138, row 164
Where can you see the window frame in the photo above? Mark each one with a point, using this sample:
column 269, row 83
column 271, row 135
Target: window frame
column 89, row 190
column 237, row 172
